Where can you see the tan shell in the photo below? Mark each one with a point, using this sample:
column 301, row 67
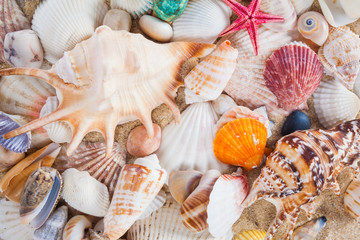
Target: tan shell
column 75, row 228
column 183, row 183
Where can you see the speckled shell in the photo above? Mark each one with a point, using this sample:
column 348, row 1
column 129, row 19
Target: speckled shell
column 250, row 235
column 223, row 103
column 169, row 10
column 329, row 101
column 198, row 24
column 301, row 6
column 352, row 199
column 60, row 25
column 241, row 142
column 54, row 226
column 136, row 8
column 75, row 228
column 208, row 79
column 283, row 8
column 183, row 183
column 340, row 55
column 313, row 26
column 309, row 230
column 293, row 73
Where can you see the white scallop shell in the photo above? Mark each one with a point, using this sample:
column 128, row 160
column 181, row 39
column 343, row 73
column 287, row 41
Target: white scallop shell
column 301, row 6
column 166, row 224
column 352, row 199
column 136, row 8
column 60, row 25
column 59, row 131
column 341, row 12
column 283, row 8
column 223, row 103
column 198, row 22
column 329, row 101
column 156, row 204
column 75, row 228
column 189, row 145
column 10, row 225
column 85, row 193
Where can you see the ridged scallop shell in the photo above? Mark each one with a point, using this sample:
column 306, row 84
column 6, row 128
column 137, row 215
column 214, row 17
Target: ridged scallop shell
column 136, row 8
column 91, row 157
column 75, row 228
column 301, row 6
column 340, row 55
column 309, row 230
column 130, row 200
column 250, row 235
column 193, row 210
column 169, row 10
column 156, row 204
column 60, row 25
column 247, row 85
column 293, row 73
column 165, row 224
column 198, row 24
column 12, row 19
column 85, row 193
column 183, row 183
column 312, row 25
column 9, row 158
column 10, row 225
column 208, row 79
column 223, row 103
column 13, row 182
column 194, row 135
column 340, row 12
column 352, row 199
column 241, row 143
column 54, row 226
column 283, row 8
column 224, row 207
column 329, row 101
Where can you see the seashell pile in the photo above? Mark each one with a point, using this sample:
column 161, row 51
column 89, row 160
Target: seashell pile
column 169, row 119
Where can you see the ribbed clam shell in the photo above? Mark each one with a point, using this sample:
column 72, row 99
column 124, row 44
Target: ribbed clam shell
column 10, row 225
column 198, row 24
column 54, row 226
column 156, row 204
column 312, row 25
column 60, row 25
column 208, row 79
column 250, row 235
column 12, row 19
column 247, row 85
column 183, row 183
column 165, row 224
column 75, row 228
column 329, row 101
column 91, row 157
column 136, row 8
column 224, row 207
column 283, row 8
column 193, row 210
column 223, row 103
column 18, row 144
column 189, row 145
column 352, row 199
column 340, row 13
column 309, row 230
column 340, row 55
column 301, row 6
column 85, row 193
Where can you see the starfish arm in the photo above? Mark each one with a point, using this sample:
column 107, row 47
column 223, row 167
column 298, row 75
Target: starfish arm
column 235, row 26
column 264, row 18
column 254, row 36
column 254, row 7
column 237, row 7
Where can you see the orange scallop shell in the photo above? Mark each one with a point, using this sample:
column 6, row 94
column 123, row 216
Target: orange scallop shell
column 241, row 142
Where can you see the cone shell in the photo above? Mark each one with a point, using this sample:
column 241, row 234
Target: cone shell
column 136, row 8
column 312, row 25
column 352, row 199
column 229, row 190
column 75, row 228
column 195, row 135
column 53, row 227
column 85, row 193
column 183, row 183
column 10, row 225
column 241, row 143
column 130, row 200
column 283, row 8
column 156, row 204
column 293, row 73
column 223, row 103
column 250, row 235
column 329, row 102
column 340, row 55
column 197, row 23
column 309, row 230
column 60, row 25
column 301, row 6
column 209, row 78
column 91, row 157
column 9, row 158
column 193, row 210
column 13, row 182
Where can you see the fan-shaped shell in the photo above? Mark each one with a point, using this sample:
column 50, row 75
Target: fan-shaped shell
column 183, row 183
column 208, row 79
column 241, row 142
column 329, row 102
column 250, row 235
column 195, row 135
column 85, row 193
column 10, row 225
column 301, row 6
column 60, row 25
column 136, row 8
column 283, row 8
column 223, row 103
column 54, row 226
column 169, row 10
column 293, row 73
column 352, row 199
column 75, row 228
column 340, row 13
column 312, row 25
column 340, row 55
column 198, row 24
column 309, row 230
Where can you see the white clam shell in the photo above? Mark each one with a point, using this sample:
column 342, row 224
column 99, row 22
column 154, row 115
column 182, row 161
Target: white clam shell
column 341, row 12
column 198, row 24
column 117, row 19
column 136, row 8
column 60, row 25
column 283, row 8
column 301, row 6
column 352, row 199
column 189, row 145
column 156, row 29
column 85, row 193
column 329, row 101
column 75, row 228
column 223, row 103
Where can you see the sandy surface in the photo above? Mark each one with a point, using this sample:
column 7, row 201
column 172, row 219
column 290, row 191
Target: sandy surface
column 340, row 224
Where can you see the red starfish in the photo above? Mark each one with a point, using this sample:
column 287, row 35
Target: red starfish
column 249, row 18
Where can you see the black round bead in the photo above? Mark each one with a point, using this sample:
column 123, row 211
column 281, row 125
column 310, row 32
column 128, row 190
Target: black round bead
column 297, row 120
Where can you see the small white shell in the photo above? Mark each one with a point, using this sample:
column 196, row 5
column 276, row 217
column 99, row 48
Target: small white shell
column 117, row 20
column 223, row 103
column 85, row 193
column 301, row 6
column 352, row 199
column 136, row 8
column 329, row 101
column 282, row 8
column 341, row 12
column 155, row 28
column 198, row 24
column 75, row 228
column 313, row 26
